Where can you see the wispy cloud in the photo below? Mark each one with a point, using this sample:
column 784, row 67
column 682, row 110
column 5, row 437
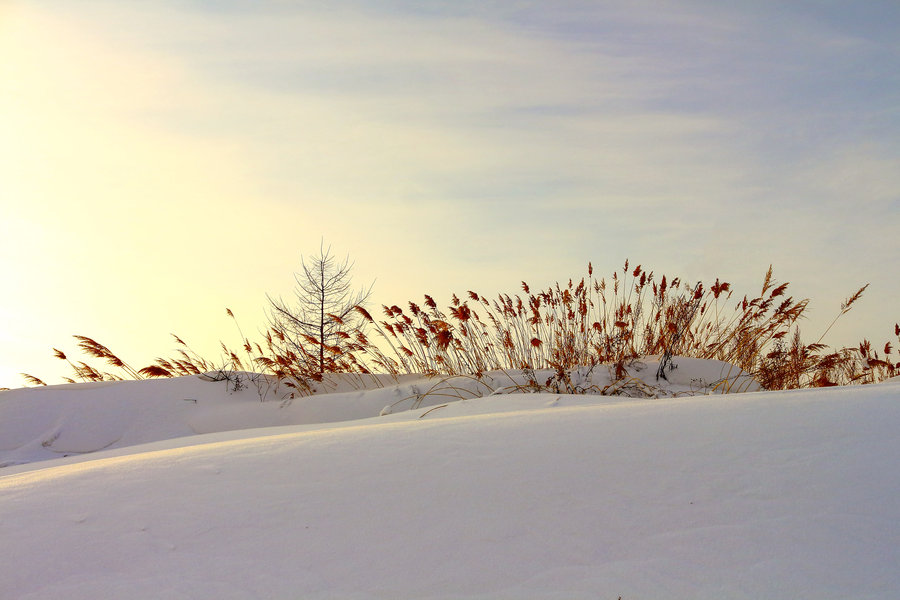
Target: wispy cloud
column 431, row 138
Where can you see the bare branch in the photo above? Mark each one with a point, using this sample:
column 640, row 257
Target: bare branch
column 323, row 289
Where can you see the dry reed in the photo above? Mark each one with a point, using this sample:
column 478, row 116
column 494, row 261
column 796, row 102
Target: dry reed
column 584, row 323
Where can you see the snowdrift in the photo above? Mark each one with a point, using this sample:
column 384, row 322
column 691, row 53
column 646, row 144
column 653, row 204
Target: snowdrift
column 66, row 420
column 511, row 495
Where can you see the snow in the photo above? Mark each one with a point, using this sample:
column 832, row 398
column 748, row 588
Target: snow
column 186, row 488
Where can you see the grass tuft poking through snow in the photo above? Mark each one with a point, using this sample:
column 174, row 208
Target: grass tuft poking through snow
column 591, row 322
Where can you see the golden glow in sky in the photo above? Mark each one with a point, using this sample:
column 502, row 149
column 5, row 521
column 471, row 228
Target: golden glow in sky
column 106, row 217
column 161, row 161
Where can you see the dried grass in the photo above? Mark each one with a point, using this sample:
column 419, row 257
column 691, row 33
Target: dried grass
column 580, row 324
column 613, row 321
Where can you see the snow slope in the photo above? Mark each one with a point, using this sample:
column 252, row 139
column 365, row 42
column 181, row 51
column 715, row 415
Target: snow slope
column 751, row 495
column 65, row 420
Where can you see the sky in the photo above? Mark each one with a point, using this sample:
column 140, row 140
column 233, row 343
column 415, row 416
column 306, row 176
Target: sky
column 163, row 160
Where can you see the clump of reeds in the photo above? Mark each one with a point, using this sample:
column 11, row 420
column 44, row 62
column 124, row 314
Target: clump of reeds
column 183, row 364
column 614, row 321
column 584, row 323
column 84, row 372
column 185, row 361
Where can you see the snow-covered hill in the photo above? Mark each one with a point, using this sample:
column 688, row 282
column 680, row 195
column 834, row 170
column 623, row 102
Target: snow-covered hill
column 511, row 495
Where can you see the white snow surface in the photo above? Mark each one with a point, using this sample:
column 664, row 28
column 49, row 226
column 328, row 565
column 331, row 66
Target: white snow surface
column 186, row 489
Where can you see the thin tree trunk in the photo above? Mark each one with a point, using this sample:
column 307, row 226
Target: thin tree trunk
column 322, row 322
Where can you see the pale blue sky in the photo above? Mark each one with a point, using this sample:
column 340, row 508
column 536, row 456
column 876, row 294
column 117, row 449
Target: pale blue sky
column 164, row 160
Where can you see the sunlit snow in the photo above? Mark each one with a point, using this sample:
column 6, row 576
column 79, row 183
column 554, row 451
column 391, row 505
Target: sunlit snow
column 188, row 488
